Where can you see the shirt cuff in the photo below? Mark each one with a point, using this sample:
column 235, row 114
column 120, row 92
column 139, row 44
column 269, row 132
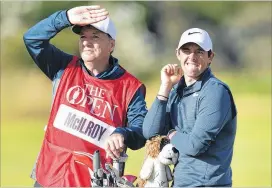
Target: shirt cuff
column 62, row 21
column 121, row 131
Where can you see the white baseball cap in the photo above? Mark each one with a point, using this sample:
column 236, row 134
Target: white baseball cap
column 197, row 36
column 106, row 26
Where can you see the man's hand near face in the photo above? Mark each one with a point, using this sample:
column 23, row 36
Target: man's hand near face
column 114, row 145
column 170, row 75
column 85, row 15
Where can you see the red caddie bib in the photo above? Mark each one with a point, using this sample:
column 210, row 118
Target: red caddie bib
column 85, row 111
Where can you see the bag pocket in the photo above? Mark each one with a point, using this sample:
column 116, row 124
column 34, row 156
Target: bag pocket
column 56, row 167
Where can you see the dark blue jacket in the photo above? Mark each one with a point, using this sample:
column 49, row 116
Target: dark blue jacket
column 204, row 116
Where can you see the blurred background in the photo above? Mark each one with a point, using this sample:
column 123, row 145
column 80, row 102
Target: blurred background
column 147, row 35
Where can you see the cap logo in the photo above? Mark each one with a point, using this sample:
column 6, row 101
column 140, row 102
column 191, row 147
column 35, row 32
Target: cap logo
column 193, row 33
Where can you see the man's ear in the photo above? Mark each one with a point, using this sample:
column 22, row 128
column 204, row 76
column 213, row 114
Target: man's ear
column 211, row 57
column 112, row 45
column 177, row 53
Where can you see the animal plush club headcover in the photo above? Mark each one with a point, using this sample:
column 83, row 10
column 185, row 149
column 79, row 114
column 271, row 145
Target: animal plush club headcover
column 155, row 171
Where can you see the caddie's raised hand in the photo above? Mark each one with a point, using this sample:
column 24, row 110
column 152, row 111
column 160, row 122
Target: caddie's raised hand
column 114, row 145
column 170, row 74
column 85, row 15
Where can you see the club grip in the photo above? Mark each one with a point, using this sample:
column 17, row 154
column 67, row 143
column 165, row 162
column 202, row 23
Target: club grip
column 96, row 161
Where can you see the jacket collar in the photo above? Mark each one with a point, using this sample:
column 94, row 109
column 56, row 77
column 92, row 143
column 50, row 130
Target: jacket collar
column 114, row 65
column 184, row 90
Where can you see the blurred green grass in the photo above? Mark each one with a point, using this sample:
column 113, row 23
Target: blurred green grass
column 24, row 115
